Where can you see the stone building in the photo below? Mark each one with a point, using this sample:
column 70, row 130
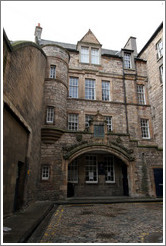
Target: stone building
column 78, row 121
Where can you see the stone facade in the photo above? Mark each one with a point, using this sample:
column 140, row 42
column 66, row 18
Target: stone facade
column 110, row 155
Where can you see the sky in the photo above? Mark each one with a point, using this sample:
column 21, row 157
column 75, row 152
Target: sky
column 112, row 22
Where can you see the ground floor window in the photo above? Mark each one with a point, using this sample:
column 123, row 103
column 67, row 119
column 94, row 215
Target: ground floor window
column 91, row 169
column 73, row 172
column 109, row 169
column 45, row 172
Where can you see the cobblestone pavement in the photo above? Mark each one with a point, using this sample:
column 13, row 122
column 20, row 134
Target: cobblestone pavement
column 109, row 223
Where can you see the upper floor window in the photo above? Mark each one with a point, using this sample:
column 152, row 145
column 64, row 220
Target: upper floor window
column 85, row 54
column 50, row 115
column 159, row 47
column 73, row 87
column 90, row 89
column 88, row 118
column 127, row 60
column 52, row 71
column 105, row 91
column 45, row 172
column 141, row 94
column 73, row 122
column 145, row 128
column 73, row 172
column 94, row 56
column 109, row 123
column 161, row 73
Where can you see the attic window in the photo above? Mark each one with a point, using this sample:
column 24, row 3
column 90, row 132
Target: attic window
column 90, row 55
column 127, row 60
column 85, row 54
column 94, row 56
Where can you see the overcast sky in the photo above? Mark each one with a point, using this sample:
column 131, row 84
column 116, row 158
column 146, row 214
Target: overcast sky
column 112, row 22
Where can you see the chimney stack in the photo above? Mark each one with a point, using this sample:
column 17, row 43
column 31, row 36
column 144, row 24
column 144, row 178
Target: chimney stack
column 131, row 45
column 38, row 31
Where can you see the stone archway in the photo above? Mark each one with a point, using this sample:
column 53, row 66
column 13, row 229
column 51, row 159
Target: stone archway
column 89, row 180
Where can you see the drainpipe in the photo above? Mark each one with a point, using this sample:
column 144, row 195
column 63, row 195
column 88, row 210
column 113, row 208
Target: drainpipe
column 125, row 101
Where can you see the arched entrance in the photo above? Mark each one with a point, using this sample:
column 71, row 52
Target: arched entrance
column 97, row 172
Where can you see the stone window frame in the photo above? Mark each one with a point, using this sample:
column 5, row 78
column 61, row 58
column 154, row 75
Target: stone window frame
column 145, row 128
column 73, row 172
column 90, row 90
column 47, row 173
column 90, row 56
column 50, row 113
column 52, row 72
column 73, row 86
column 73, row 122
column 141, row 94
column 91, row 169
column 127, row 60
column 109, row 165
column 107, row 90
column 159, row 48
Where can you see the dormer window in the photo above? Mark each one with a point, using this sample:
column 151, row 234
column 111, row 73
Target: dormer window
column 127, row 60
column 85, row 54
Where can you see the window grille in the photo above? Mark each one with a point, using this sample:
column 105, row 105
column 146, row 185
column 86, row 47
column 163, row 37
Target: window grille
column 94, row 56
column 109, row 169
column 45, row 172
column 73, row 87
column 73, row 172
column 105, row 91
column 52, row 72
column 127, row 60
column 50, row 115
column 99, row 131
column 141, row 94
column 145, row 128
column 73, row 122
column 109, row 123
column 89, row 89
column 91, row 169
column 85, row 54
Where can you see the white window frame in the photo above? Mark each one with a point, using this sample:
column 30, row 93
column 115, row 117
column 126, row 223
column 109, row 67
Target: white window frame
column 145, row 129
column 50, row 115
column 105, row 90
column 91, row 169
column 109, row 169
column 45, row 172
column 141, row 94
column 73, row 122
column 73, row 172
column 159, row 47
column 161, row 73
column 109, row 123
column 127, row 60
column 52, row 71
column 90, row 90
column 84, row 54
column 73, row 87
column 88, row 118
column 95, row 56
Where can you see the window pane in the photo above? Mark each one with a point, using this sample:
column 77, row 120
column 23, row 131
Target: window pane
column 73, row 87
column 94, row 56
column 45, row 173
column 50, row 115
column 52, row 72
column 73, row 122
column 91, row 169
column 141, row 94
column 85, row 54
column 127, row 60
column 89, row 89
column 145, row 128
column 105, row 91
column 109, row 123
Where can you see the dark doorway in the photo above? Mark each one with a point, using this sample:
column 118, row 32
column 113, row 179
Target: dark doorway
column 125, row 180
column 70, row 190
column 158, row 177
column 19, row 189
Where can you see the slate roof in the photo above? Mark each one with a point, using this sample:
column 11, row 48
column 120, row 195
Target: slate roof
column 73, row 47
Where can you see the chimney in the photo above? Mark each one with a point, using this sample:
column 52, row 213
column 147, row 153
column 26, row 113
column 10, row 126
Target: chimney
column 38, row 31
column 131, row 45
